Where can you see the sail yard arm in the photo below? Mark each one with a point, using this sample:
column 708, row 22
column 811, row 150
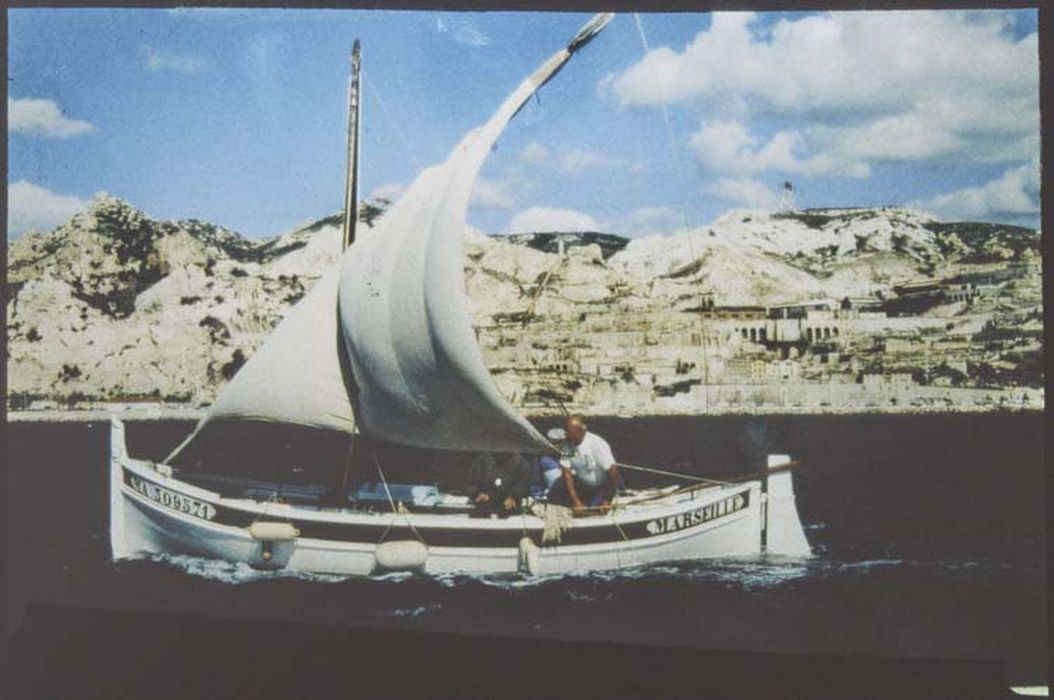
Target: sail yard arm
column 419, row 372
column 584, row 35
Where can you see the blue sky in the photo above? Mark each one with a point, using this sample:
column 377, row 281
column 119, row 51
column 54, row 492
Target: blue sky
column 237, row 116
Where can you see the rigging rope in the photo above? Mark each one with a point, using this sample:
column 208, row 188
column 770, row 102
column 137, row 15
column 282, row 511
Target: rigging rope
column 395, row 511
column 662, row 98
column 684, row 211
column 679, row 475
column 541, row 288
column 391, row 119
column 275, row 498
column 347, row 463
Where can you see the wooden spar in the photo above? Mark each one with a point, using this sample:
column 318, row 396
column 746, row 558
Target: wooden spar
column 351, row 198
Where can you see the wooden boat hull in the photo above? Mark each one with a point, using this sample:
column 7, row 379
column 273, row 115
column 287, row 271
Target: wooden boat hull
column 152, row 511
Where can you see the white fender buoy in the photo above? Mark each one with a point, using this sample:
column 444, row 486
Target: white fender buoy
column 529, row 553
column 274, row 532
column 401, row 555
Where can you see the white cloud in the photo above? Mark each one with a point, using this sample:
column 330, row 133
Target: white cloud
column 546, row 219
column 31, row 207
column 1012, row 197
column 578, row 161
column 514, row 186
column 729, row 147
column 534, row 153
column 390, row 191
column 462, row 31
column 652, row 219
column 491, row 194
column 646, row 220
column 159, row 59
column 890, row 85
column 42, row 118
column 655, row 215
column 744, row 192
column 900, row 137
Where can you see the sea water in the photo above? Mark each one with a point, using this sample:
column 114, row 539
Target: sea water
column 929, row 533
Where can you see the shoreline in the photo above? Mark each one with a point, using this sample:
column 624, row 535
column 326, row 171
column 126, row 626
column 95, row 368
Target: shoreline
column 163, row 413
column 92, row 415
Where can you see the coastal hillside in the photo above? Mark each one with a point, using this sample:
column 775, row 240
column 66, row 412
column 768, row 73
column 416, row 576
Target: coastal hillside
column 115, row 305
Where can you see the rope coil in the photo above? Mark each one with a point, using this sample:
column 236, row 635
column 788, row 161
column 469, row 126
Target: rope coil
column 556, row 520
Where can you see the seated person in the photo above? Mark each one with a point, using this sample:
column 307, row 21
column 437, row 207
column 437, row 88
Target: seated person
column 590, row 475
column 497, row 483
column 547, row 470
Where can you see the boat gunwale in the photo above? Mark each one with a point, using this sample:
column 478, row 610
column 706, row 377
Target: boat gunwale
column 632, row 515
column 223, row 529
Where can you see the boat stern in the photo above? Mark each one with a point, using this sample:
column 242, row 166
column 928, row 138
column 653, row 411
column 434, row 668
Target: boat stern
column 784, row 534
column 118, row 454
column 126, row 539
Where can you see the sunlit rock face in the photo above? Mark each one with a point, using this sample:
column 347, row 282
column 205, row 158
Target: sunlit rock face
column 115, row 304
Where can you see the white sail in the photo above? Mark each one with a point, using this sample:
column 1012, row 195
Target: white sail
column 295, row 376
column 418, row 369
column 408, row 332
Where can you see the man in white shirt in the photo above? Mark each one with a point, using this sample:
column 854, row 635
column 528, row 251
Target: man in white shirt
column 590, row 475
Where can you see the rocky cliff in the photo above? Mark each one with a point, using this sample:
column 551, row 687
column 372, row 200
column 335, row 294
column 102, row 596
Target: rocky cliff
column 116, row 304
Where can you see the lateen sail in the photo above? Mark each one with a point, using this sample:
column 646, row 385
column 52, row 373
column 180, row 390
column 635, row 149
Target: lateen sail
column 295, row 376
column 408, row 333
column 418, row 369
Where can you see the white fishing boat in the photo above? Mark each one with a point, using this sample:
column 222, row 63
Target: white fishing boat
column 382, row 351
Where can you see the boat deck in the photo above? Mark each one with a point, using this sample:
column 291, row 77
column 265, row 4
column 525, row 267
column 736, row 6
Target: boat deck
column 327, row 499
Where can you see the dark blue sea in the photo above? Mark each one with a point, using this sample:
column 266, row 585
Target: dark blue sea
column 930, row 533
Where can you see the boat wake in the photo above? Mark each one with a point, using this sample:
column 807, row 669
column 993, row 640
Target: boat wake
column 870, row 564
column 233, row 573
column 752, row 574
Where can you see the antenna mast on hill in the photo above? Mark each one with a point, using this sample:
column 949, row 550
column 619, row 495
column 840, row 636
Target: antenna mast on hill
column 787, row 200
column 351, row 194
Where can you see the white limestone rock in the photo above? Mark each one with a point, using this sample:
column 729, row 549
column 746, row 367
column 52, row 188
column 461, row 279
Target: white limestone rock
column 114, row 303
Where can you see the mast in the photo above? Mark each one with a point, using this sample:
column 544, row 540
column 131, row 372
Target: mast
column 351, row 202
column 351, row 195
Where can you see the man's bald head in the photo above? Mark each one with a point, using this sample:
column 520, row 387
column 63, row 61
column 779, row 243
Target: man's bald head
column 575, row 428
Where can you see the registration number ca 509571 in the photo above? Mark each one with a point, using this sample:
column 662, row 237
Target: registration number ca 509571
column 173, row 500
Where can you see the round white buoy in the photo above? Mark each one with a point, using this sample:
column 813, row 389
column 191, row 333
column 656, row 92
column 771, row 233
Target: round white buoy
column 401, row 555
column 275, row 532
column 529, row 553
